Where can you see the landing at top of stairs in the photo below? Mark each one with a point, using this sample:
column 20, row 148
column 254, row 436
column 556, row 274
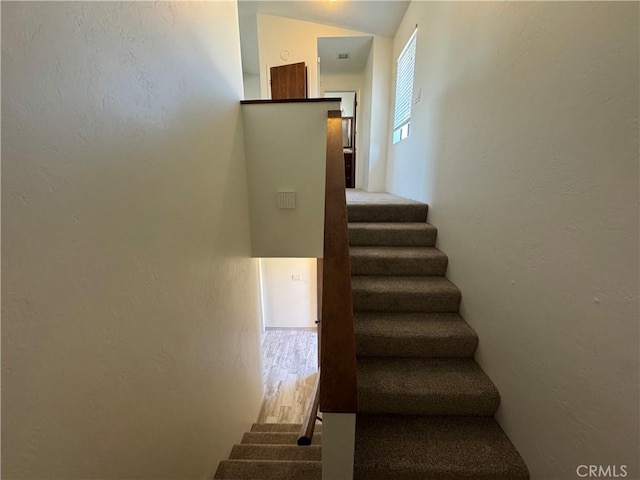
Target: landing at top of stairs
column 383, row 207
column 360, row 197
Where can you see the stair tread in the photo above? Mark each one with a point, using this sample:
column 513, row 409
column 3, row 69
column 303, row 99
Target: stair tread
column 390, row 212
column 269, row 469
column 379, row 260
column 425, row 386
column 402, row 284
column 404, row 293
column 413, row 335
column 395, row 226
column 275, row 452
column 395, row 252
column 392, row 233
column 434, row 447
column 276, row 427
column 277, row 438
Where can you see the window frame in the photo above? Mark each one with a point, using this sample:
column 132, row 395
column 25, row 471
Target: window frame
column 405, row 75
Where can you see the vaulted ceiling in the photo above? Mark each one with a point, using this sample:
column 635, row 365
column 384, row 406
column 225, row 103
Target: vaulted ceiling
column 374, row 17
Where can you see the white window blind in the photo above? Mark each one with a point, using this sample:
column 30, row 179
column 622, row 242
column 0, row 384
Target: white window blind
column 404, row 83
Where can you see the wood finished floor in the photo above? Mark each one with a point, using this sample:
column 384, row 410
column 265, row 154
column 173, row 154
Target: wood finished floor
column 289, row 370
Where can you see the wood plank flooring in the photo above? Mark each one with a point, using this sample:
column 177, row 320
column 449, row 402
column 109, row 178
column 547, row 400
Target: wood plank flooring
column 290, row 365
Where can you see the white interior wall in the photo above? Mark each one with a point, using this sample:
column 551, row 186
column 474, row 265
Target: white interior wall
column 289, row 154
column 332, row 82
column 375, row 118
column 128, row 293
column 297, row 41
column 362, row 174
column 251, row 85
column 525, row 145
column 289, row 288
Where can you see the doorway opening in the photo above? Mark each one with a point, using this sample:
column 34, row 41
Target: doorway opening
column 290, row 340
column 344, row 72
column 348, row 108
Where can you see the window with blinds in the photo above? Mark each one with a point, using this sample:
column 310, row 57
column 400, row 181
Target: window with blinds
column 404, row 89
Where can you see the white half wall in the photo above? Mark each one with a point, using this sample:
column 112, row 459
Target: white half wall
column 130, row 325
column 338, row 449
column 286, row 148
column 525, row 145
column 289, row 292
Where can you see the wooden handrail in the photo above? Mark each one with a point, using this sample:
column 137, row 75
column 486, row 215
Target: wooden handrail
column 309, row 423
column 338, row 392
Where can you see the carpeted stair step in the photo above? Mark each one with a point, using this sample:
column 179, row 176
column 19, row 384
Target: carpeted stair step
column 413, row 335
column 424, row 386
column 281, row 427
column 404, row 294
column 269, row 469
column 276, row 452
column 411, row 261
column 387, row 212
column 392, row 234
column 277, row 438
column 434, row 448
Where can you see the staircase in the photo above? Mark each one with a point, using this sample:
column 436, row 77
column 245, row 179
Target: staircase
column 270, row 451
column 425, row 406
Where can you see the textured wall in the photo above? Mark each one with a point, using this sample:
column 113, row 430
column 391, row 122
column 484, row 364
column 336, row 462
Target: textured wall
column 525, row 144
column 130, row 330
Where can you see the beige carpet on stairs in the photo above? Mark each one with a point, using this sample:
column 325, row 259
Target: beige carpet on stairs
column 425, row 406
column 270, row 452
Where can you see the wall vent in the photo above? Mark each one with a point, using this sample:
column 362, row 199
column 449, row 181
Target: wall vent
column 286, row 199
column 343, row 56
